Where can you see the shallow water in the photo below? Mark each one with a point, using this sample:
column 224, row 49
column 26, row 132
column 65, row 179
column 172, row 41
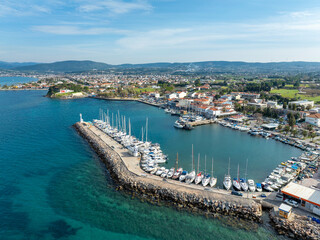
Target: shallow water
column 54, row 187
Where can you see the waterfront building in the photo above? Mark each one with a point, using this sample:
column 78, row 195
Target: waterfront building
column 313, row 119
column 307, row 198
column 285, row 210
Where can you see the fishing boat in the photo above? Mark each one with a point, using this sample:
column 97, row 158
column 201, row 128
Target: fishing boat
column 236, row 183
column 183, row 176
column 213, row 180
column 160, row 171
column 227, row 179
column 251, row 185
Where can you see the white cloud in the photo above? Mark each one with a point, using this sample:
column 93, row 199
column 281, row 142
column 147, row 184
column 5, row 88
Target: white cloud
column 115, row 6
column 75, row 30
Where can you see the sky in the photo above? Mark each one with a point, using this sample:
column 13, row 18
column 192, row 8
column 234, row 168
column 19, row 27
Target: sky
column 145, row 31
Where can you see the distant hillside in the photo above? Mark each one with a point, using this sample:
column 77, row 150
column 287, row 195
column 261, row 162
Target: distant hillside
column 65, row 66
column 10, row 65
column 195, row 67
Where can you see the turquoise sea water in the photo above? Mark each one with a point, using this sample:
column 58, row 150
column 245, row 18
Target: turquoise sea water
column 52, row 185
column 14, row 80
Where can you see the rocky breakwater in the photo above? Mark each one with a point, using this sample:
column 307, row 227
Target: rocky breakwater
column 180, row 195
column 297, row 227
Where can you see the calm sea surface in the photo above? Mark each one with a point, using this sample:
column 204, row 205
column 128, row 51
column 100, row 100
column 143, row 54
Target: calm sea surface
column 52, row 186
column 14, row 80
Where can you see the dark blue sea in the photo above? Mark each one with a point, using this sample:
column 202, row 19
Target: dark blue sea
column 53, row 186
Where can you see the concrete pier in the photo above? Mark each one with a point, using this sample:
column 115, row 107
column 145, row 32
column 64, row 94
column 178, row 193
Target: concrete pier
column 126, row 172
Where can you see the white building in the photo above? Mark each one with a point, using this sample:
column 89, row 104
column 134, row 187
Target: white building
column 181, row 94
column 272, row 104
column 313, row 119
column 171, row 96
column 304, row 103
column 65, row 91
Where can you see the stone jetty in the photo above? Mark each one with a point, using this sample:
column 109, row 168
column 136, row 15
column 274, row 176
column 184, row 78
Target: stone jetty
column 126, row 172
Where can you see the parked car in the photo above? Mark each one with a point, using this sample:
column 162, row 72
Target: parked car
column 236, row 193
column 263, row 195
column 291, row 202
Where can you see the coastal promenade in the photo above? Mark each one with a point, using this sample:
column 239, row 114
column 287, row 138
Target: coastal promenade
column 126, row 172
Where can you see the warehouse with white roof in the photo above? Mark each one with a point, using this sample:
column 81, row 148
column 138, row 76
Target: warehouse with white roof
column 308, row 198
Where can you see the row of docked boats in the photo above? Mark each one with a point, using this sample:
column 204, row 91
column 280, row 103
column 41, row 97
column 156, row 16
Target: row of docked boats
column 200, row 178
column 151, row 153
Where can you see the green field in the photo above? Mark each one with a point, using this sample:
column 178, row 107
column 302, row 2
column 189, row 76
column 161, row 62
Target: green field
column 288, row 93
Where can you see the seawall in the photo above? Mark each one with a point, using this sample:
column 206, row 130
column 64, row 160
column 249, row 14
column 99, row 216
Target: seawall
column 178, row 194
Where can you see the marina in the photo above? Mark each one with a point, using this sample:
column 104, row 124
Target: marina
column 152, row 157
column 83, row 195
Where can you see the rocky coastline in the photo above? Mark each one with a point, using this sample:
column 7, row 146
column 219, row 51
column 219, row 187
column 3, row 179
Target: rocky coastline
column 208, row 203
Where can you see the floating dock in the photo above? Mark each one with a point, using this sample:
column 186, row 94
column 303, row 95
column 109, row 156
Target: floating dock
column 126, row 172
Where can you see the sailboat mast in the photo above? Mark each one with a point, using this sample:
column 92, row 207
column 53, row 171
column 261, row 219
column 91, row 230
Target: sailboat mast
column 129, row 128
column 212, row 168
column 229, row 168
column 142, row 134
column 147, row 130
column 112, row 121
column 198, row 162
column 177, row 161
column 205, row 164
column 192, row 159
column 238, row 173
column 245, row 175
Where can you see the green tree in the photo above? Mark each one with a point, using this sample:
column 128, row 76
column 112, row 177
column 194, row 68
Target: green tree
column 197, row 83
column 280, row 127
column 305, row 133
column 287, row 129
column 294, row 107
column 294, row 132
column 285, row 105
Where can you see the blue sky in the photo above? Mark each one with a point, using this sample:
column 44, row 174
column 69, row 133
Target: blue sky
column 141, row 31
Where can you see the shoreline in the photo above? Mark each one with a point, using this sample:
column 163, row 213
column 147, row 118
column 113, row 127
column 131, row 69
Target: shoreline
column 128, row 99
column 127, row 173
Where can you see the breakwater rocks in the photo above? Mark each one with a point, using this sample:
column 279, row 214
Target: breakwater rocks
column 207, row 202
column 299, row 228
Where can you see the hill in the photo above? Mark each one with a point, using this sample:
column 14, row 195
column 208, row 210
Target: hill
column 66, row 66
column 166, row 67
column 10, row 65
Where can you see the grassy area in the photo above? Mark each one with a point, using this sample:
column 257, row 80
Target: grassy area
column 63, row 94
column 293, row 93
